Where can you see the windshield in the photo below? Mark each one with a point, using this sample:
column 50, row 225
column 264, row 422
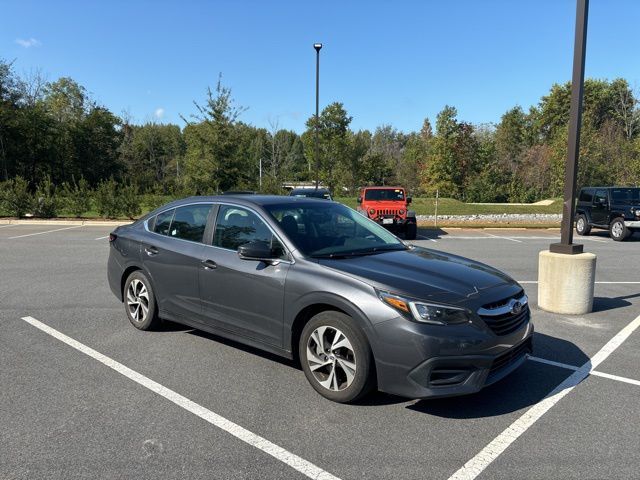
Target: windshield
column 331, row 230
column 384, row 194
column 626, row 195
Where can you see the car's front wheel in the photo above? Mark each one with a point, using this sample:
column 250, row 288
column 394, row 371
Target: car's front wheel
column 336, row 357
column 140, row 302
column 618, row 230
column 582, row 226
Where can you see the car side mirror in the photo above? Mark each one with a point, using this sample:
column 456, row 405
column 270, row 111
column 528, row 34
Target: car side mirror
column 359, row 199
column 257, row 250
column 409, row 200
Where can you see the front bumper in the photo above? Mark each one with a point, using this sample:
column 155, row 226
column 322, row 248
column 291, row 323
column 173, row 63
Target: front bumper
column 426, row 361
column 632, row 223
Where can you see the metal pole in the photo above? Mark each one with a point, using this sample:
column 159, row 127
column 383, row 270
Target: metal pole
column 317, row 46
column 573, row 147
column 260, row 181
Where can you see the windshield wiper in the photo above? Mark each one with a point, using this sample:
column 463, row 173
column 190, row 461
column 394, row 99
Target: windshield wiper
column 358, row 253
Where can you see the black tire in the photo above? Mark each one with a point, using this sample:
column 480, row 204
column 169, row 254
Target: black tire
column 582, row 225
column 138, row 289
column 411, row 231
column 618, row 231
column 362, row 382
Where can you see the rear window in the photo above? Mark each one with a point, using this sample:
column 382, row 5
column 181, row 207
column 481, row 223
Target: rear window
column 163, row 222
column 189, row 222
column 626, row 195
column 586, row 196
column 384, row 194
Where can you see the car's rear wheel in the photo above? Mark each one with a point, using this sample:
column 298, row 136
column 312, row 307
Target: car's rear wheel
column 140, row 302
column 582, row 225
column 411, row 231
column 336, row 357
column 617, row 230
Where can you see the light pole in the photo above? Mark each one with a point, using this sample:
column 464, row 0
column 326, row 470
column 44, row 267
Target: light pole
column 318, row 47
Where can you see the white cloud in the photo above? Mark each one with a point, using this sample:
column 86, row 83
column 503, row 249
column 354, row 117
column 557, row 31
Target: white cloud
column 159, row 113
column 28, row 43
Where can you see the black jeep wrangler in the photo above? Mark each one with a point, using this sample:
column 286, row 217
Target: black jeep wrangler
column 616, row 209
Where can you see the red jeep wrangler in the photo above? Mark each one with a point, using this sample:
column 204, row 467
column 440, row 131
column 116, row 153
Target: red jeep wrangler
column 389, row 206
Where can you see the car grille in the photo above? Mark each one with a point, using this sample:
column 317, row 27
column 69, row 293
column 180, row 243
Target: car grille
column 499, row 317
column 387, row 211
column 510, row 356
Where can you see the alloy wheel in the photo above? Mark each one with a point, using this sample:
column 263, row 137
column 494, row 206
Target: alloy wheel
column 138, row 300
column 331, row 358
column 616, row 229
column 580, row 224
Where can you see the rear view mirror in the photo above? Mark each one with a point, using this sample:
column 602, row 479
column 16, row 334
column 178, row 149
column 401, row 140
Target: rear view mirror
column 257, row 250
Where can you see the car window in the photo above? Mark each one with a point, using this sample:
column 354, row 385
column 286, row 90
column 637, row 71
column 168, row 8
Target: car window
column 626, row 195
column 189, row 222
column 586, row 196
column 600, row 197
column 383, row 194
column 236, row 226
column 163, row 222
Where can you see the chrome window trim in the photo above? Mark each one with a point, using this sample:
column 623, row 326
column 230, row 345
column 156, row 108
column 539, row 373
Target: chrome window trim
column 146, row 222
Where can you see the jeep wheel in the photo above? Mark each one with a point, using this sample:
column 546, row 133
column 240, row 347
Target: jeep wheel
column 618, row 231
column 582, row 226
column 411, row 231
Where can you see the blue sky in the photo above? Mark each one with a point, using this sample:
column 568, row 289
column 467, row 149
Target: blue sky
column 388, row 62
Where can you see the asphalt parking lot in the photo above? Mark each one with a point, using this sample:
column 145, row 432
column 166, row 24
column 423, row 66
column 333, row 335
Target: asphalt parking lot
column 179, row 403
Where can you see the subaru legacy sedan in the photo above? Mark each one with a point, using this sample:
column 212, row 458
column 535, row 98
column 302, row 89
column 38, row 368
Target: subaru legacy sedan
column 315, row 281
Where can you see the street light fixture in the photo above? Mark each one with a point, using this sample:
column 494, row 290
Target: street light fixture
column 317, row 47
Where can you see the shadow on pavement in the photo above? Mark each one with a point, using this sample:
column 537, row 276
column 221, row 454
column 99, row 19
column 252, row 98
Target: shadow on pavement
column 602, row 304
column 522, row 389
column 431, row 233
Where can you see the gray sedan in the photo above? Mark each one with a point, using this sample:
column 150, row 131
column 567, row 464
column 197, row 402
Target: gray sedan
column 314, row 281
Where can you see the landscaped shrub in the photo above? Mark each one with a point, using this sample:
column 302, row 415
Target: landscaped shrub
column 129, row 201
column 77, row 197
column 46, row 200
column 106, row 199
column 15, row 197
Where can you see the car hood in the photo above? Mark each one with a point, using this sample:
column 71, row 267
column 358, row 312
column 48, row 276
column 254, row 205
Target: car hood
column 424, row 274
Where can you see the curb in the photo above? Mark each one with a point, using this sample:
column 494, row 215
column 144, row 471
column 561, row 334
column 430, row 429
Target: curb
column 95, row 223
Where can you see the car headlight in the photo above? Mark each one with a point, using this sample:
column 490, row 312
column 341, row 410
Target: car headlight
column 635, row 211
column 425, row 312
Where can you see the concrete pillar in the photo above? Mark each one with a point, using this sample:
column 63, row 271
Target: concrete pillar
column 565, row 282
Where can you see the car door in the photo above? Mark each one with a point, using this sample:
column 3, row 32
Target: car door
column 245, row 297
column 172, row 252
column 600, row 208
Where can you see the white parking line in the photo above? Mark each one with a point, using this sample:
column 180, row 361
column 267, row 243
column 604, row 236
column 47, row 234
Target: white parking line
column 592, row 372
column 279, row 453
column 9, row 225
column 101, row 238
column 497, row 446
column 422, row 237
column 503, row 238
column 597, row 283
column 48, row 231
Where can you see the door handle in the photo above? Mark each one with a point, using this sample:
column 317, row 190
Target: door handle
column 151, row 250
column 209, row 264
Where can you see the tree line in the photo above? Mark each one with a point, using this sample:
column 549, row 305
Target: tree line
column 53, row 134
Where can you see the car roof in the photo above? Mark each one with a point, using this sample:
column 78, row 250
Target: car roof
column 380, row 187
column 309, row 189
column 258, row 200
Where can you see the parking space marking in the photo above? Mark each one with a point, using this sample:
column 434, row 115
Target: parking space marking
column 551, row 362
column 503, row 238
column 592, row 372
column 597, row 283
column 102, row 238
column 48, row 231
column 498, row 445
column 616, row 377
column 9, row 225
column 301, row 465
column 422, row 237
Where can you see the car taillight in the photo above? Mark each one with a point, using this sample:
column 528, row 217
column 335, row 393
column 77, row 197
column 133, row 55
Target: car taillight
column 112, row 237
column 372, row 211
